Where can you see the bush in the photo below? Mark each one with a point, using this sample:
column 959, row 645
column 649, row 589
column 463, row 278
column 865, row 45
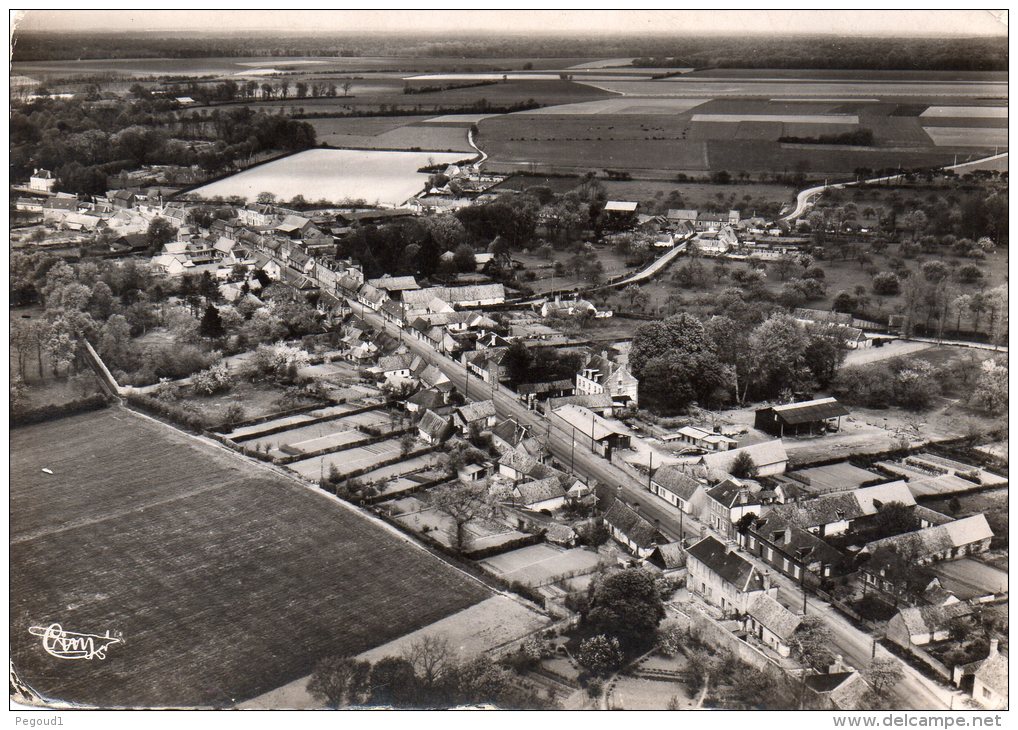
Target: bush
column 52, row 411
column 969, row 274
column 212, row 380
column 234, row 413
column 185, row 415
column 886, row 284
column 600, row 654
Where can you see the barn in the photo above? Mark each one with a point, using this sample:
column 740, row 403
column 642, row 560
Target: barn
column 812, row 416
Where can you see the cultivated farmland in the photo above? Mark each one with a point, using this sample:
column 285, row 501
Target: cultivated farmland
column 226, row 579
column 336, row 175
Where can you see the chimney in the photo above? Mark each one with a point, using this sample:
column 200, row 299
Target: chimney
column 766, row 579
column 838, row 666
column 729, row 547
column 788, row 536
column 994, row 647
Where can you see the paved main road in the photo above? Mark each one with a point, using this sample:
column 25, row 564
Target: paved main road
column 915, row 692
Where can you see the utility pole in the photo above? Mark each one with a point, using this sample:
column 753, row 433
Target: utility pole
column 802, row 584
column 572, row 453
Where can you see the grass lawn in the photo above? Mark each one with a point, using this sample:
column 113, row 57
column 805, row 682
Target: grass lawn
column 613, row 262
column 226, row 580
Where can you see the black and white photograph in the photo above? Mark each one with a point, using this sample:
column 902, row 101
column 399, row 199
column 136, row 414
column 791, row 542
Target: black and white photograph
column 508, row 360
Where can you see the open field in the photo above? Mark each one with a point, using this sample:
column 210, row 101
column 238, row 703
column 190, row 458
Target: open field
column 621, row 106
column 336, row 175
column 239, row 593
column 849, row 74
column 992, row 112
column 699, row 86
column 409, row 137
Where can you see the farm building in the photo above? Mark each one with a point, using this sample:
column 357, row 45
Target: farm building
column 771, row 623
column 591, row 431
column 722, row 577
column 918, row 626
column 812, row 416
column 629, row 527
column 769, row 457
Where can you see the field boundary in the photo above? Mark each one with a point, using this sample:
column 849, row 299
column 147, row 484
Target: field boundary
column 272, row 430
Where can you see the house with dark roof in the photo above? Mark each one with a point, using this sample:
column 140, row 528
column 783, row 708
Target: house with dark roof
column 790, row 548
column 772, row 624
column 426, row 399
column 676, row 486
column 722, row 577
column 841, row 688
column 634, row 531
column 813, row 416
column 834, row 514
column 508, row 434
column 591, row 431
column 601, row 375
column 728, row 502
column 668, row 558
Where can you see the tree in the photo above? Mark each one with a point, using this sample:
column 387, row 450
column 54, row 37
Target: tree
column 886, row 284
column 811, row 643
column 674, row 359
column 211, row 325
column 159, row 233
column 464, row 258
column 883, row 675
column 627, row 606
column 894, row 518
column 518, row 361
column 115, row 341
column 743, row 467
column 406, row 444
column 393, row 683
column 601, row 654
column 339, row 681
column 430, row 656
column 464, row 503
column 991, row 391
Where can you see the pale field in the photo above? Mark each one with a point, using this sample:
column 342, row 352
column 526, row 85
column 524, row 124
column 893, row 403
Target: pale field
column 375, row 176
column 621, row 106
column 789, row 118
column 966, row 111
column 727, row 87
column 967, row 136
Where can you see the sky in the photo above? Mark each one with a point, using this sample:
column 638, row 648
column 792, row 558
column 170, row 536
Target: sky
column 579, row 22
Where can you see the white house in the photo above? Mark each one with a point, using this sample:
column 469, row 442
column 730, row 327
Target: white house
column 42, row 180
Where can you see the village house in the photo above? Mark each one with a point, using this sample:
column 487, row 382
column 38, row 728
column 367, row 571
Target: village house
column 371, row 297
column 722, row 577
column 480, row 415
column 508, row 434
column 789, row 548
column 840, row 688
column 601, row 404
column 834, row 514
column 433, row 429
column 394, row 286
column 669, row 558
column 601, row 375
column 957, row 539
column 674, row 485
column 727, row 503
column 772, row 624
column 567, row 308
column 42, row 180
column 591, row 431
column 519, row 465
column 418, row 300
column 627, row 526
column 769, row 457
column 989, row 678
column 814, row 416
column 542, row 494
column 396, row 369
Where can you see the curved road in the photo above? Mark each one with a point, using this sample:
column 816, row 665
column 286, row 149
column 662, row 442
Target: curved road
column 808, row 196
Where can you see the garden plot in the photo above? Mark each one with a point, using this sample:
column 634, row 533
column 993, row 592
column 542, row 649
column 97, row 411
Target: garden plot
column 400, row 468
column 789, row 118
column 418, row 515
column 538, row 565
column 348, row 461
column 967, row 136
column 248, row 432
column 835, row 477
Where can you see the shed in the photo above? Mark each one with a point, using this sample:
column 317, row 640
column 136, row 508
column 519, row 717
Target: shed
column 811, row 416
